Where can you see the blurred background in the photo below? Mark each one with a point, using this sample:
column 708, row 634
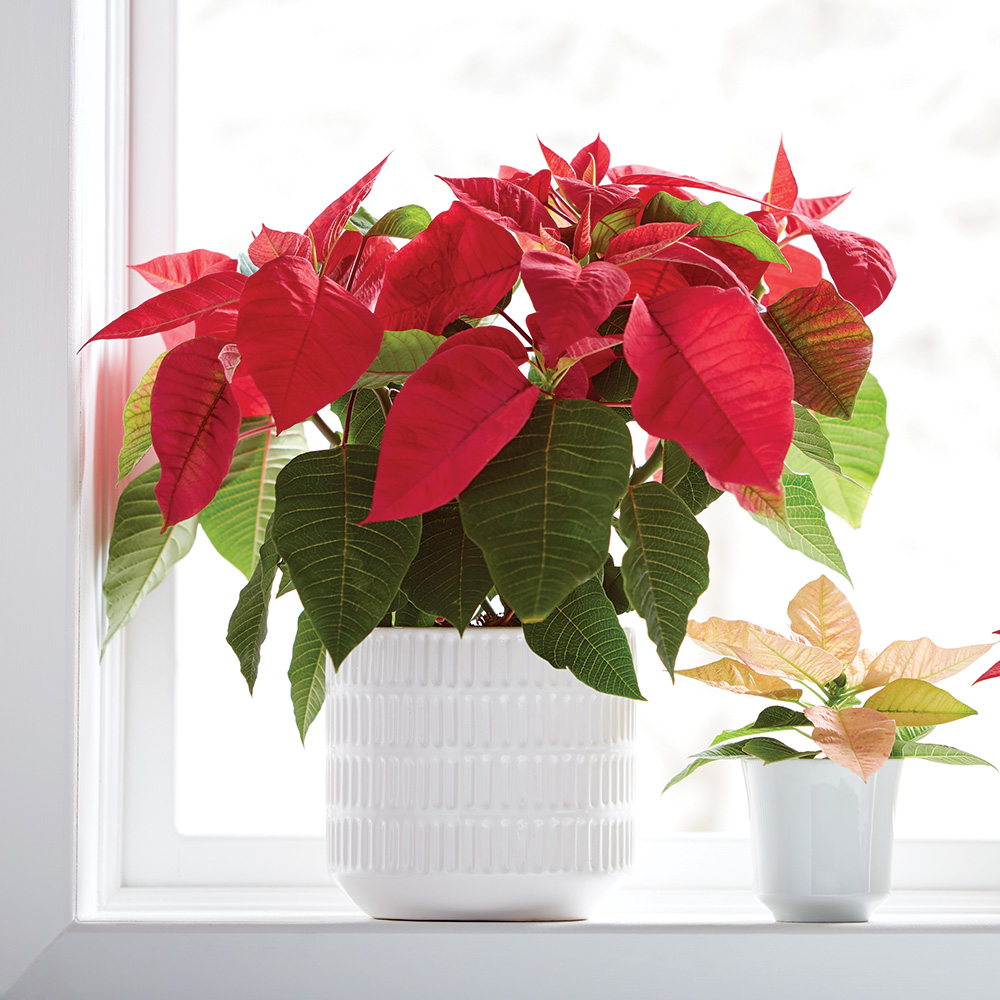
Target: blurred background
column 283, row 104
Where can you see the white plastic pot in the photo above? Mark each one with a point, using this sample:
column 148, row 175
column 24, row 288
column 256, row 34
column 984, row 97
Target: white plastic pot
column 470, row 780
column 821, row 838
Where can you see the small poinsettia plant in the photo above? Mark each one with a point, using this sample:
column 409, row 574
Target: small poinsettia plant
column 824, row 657
column 476, row 460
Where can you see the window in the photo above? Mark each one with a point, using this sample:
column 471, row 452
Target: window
column 63, row 71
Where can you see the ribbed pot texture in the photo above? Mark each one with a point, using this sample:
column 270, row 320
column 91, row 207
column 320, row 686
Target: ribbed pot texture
column 470, row 780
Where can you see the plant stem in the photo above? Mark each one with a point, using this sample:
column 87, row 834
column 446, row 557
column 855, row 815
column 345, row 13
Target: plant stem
column 572, row 216
column 517, row 327
column 332, row 436
column 382, row 395
column 257, row 430
column 650, row 466
column 347, row 416
column 354, row 271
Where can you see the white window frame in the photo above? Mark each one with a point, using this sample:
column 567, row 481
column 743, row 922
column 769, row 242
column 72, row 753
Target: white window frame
column 70, row 924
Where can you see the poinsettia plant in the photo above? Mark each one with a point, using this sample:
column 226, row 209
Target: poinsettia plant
column 479, row 463
column 824, row 657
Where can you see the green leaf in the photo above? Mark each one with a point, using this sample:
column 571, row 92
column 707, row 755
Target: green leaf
column 139, row 555
column 716, row 221
column 402, row 223
column 774, row 718
column 695, row 489
column 858, row 448
column 583, row 634
column 347, row 573
column 935, row 752
column 410, row 617
column 367, row 417
column 236, row 518
column 307, row 674
column 448, row 577
column 804, row 527
column 614, row 587
column 770, row 750
column 541, row 509
column 136, row 441
column 676, row 464
column 245, row 265
column 706, row 757
column 617, row 383
column 809, row 441
column 286, row 584
column 401, row 354
column 362, row 220
column 665, row 568
column 910, row 734
column 248, row 622
column 913, row 702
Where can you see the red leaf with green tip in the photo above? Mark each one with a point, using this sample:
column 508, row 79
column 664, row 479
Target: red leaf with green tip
column 303, row 338
column 175, row 269
column 501, row 201
column 570, row 301
column 784, row 190
column 861, row 267
column 806, row 272
column 270, row 244
column 195, row 426
column 601, row 156
column 453, row 415
column 169, row 310
column 713, row 379
column 461, row 263
column 828, row 345
column 326, row 228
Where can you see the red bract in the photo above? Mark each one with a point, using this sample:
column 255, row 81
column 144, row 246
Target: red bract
column 806, row 272
column 195, row 426
column 176, row 269
column 325, row 229
column 713, row 379
column 460, row 264
column 646, row 241
column 175, row 308
column 650, row 277
column 488, row 336
column 452, row 416
column 595, row 153
column 270, row 244
column 860, row 267
column 370, row 272
column 304, row 339
column 501, row 201
column 784, row 190
column 994, row 671
column 570, row 302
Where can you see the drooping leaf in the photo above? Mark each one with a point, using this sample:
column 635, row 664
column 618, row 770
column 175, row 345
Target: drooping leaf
column 726, row 750
column 770, row 750
column 858, row 447
column 541, row 509
column 860, row 266
column 461, row 264
column 347, row 574
column 935, row 752
column 136, row 440
column 402, row 223
column 919, row 659
column 402, row 353
column 307, row 674
column 917, row 703
column 713, row 379
column 236, row 519
column 448, row 577
column 716, row 221
column 248, row 622
column 583, row 635
column 175, row 307
column 734, row 675
column 176, row 269
column 823, row 616
column 858, row 739
column 570, row 301
column 804, row 527
column 140, row 553
column 195, row 427
column 305, row 340
column 461, row 407
column 828, row 345
column 809, row 442
column 269, row 244
column 665, row 568
column 773, row 719
column 367, row 418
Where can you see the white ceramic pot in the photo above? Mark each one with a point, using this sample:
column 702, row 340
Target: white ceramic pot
column 821, row 838
column 470, row 780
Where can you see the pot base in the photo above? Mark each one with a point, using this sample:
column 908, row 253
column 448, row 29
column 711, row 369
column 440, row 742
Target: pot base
column 508, row 897
column 823, row 909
